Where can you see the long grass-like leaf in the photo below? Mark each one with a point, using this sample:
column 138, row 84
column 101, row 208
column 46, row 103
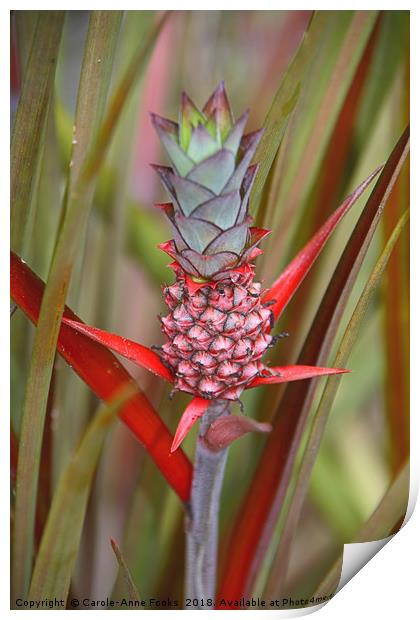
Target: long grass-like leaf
column 332, row 64
column 30, row 120
column 95, row 78
column 60, row 542
column 278, row 574
column 335, row 172
column 285, row 286
column 397, row 301
column 133, row 593
column 397, row 322
column 119, row 99
column 389, row 512
column 283, row 105
column 264, row 499
column 101, row 370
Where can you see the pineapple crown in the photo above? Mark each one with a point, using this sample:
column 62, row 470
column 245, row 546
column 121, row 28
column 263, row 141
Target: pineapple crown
column 209, row 184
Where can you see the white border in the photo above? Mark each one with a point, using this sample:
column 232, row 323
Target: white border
column 388, row 584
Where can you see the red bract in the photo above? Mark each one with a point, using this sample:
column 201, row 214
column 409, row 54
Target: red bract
column 275, row 299
column 104, row 374
column 286, row 284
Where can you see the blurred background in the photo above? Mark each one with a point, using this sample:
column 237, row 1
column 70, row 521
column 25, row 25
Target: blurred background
column 346, row 121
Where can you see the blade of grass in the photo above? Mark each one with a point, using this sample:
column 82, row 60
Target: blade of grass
column 88, row 153
column 278, row 573
column 60, row 542
column 101, row 265
column 283, row 105
column 140, row 24
column 258, row 514
column 292, row 276
column 331, row 66
column 30, row 119
column 390, row 510
column 397, row 301
column 25, row 22
column 90, row 142
column 144, row 228
column 393, row 43
column 101, row 370
column 94, row 82
column 132, row 591
column 327, row 192
column 120, row 97
column 325, row 90
column 397, row 322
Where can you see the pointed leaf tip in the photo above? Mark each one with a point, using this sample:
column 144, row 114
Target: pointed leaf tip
column 141, row 355
column 218, row 112
column 192, row 413
column 284, row 374
column 290, row 279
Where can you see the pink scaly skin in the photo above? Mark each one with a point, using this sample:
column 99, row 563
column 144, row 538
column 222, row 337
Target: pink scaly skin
column 216, row 336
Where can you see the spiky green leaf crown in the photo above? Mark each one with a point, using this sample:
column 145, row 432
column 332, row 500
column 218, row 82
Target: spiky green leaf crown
column 209, row 185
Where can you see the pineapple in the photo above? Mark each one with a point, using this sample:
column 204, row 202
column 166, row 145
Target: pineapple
column 217, row 328
column 219, row 321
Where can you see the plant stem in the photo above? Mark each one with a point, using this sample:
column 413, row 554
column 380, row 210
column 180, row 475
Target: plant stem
column 203, row 519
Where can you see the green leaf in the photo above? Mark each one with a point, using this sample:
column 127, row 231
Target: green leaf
column 26, row 22
column 278, row 574
column 30, row 120
column 322, row 25
column 62, row 534
column 145, row 229
column 132, row 591
column 325, row 88
column 393, row 42
column 95, row 78
column 390, row 510
column 274, row 471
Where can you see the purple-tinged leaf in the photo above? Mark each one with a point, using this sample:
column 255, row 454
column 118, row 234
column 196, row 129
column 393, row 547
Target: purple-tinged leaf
column 231, row 240
column 168, row 134
column 247, row 149
column 190, row 117
column 197, row 234
column 214, row 172
column 233, row 140
column 224, row 430
column 170, row 249
column 202, row 144
column 245, row 191
column 217, row 110
column 256, row 235
column 209, row 265
column 222, row 210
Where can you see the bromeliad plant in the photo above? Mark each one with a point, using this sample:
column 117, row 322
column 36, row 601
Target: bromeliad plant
column 219, row 321
column 321, row 130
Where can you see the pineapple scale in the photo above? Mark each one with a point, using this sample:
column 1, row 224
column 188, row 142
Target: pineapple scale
column 216, row 337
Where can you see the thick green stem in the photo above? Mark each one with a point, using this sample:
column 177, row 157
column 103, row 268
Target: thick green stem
column 203, row 519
